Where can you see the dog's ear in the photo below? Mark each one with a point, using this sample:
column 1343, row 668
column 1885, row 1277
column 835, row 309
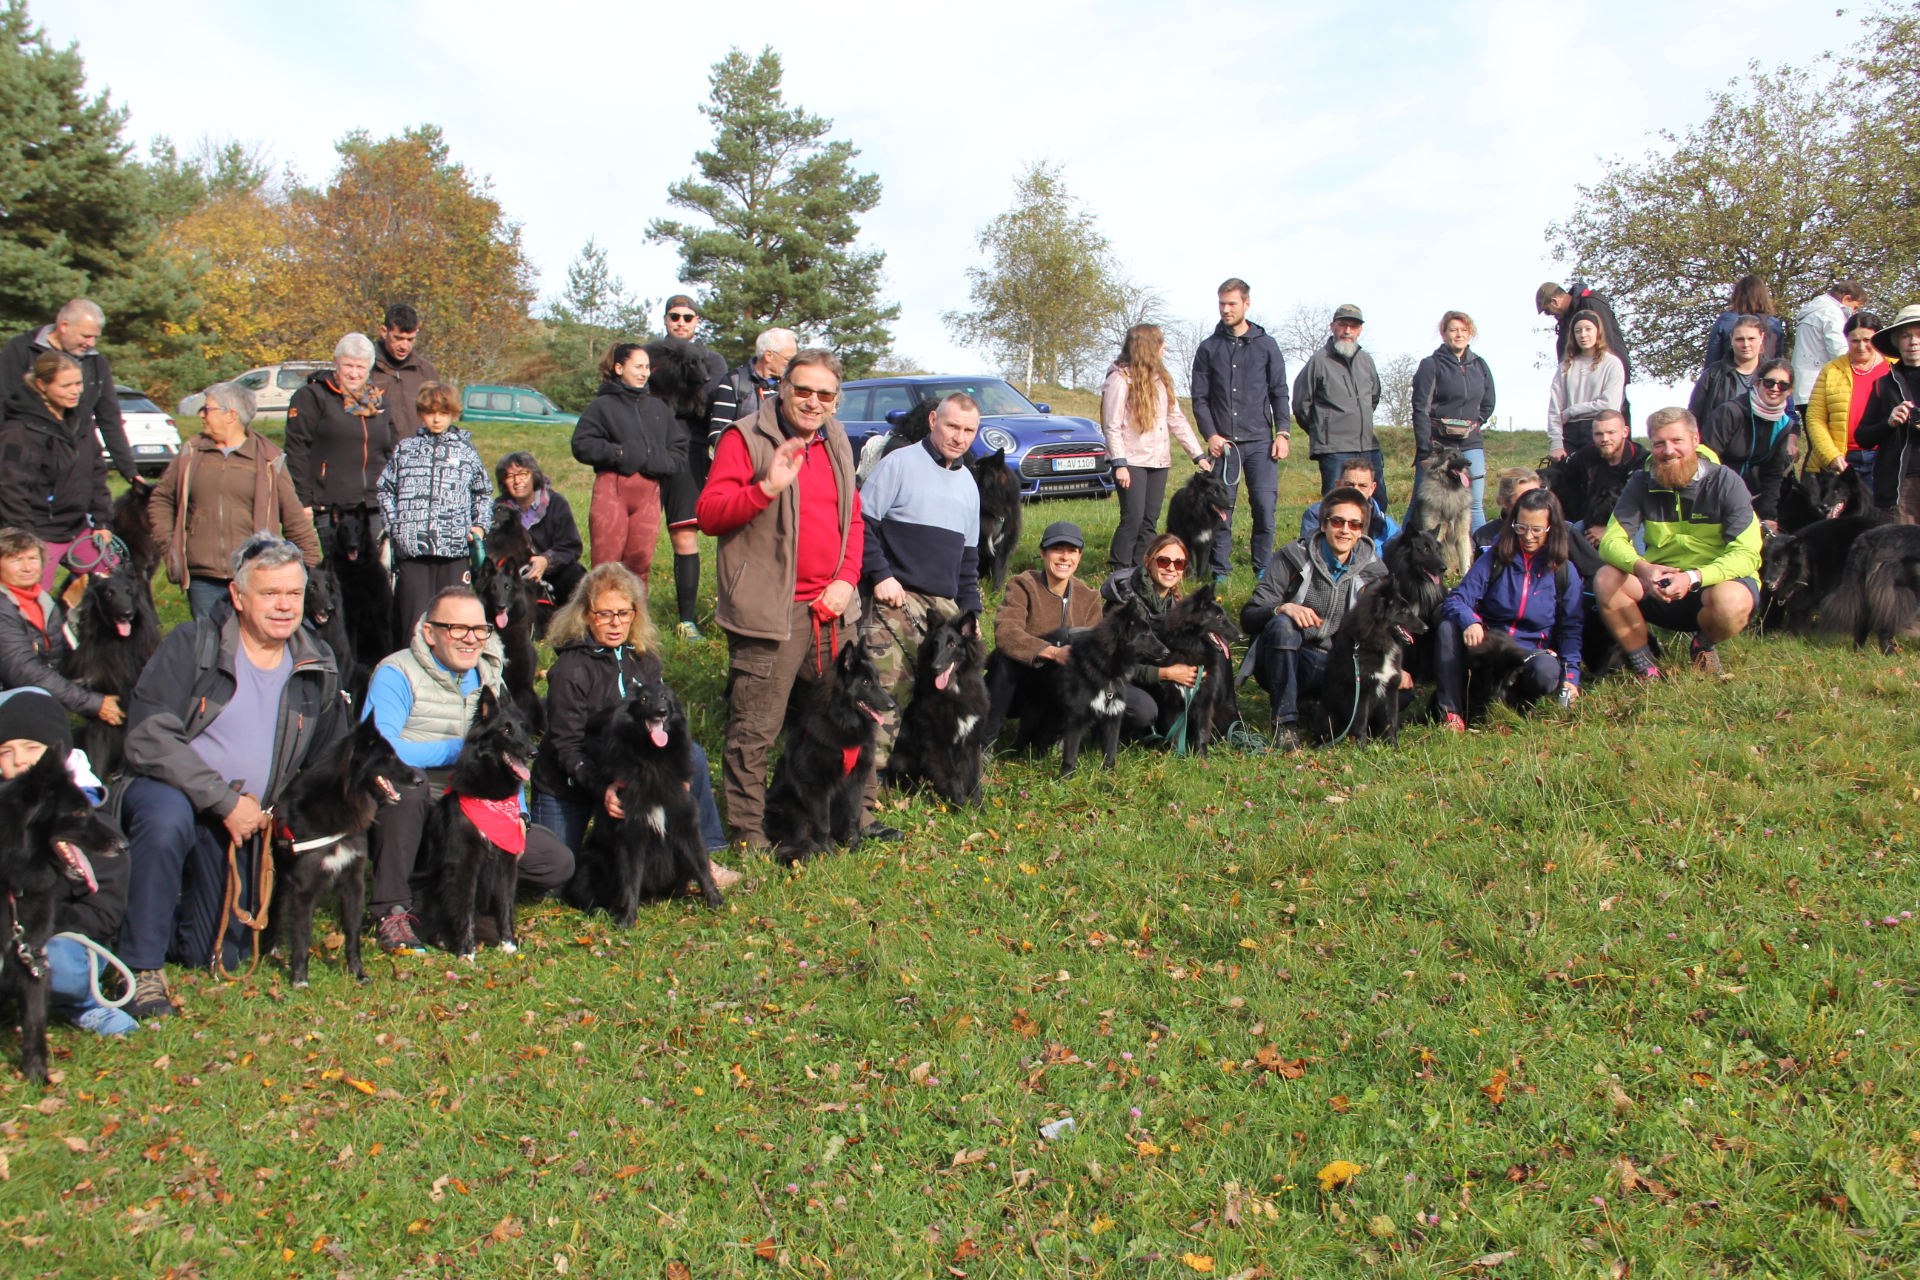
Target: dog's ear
column 1203, row 594
column 969, row 625
column 51, row 768
column 488, row 708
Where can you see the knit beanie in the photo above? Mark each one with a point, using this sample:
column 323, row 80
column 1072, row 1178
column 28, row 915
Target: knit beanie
column 32, row 713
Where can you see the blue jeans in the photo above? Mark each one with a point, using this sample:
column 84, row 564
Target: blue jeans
column 1286, row 669
column 1538, row 679
column 1330, row 464
column 203, row 594
column 1477, row 463
column 1261, row 472
column 178, row 879
column 568, row 818
column 1861, row 460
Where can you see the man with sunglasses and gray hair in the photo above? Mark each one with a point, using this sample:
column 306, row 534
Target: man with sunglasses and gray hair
column 423, row 698
column 227, row 711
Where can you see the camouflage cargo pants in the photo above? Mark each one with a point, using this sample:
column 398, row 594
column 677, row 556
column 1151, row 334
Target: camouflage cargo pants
column 892, row 634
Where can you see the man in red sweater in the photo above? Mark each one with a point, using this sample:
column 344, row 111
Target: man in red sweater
column 780, row 498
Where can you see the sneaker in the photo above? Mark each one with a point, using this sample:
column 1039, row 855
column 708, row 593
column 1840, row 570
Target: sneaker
column 1649, row 675
column 878, row 830
column 725, row 877
column 396, row 931
column 1286, row 738
column 689, row 633
column 105, row 1020
column 1453, row 723
column 1706, row 660
column 150, row 997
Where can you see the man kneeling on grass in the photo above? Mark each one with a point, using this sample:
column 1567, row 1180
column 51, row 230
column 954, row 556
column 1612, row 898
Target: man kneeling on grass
column 1700, row 570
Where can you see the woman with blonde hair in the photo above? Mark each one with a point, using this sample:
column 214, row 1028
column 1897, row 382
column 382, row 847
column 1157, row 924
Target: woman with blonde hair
column 605, row 647
column 1452, row 399
column 1139, row 413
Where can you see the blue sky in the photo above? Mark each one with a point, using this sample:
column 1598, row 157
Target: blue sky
column 1406, row 157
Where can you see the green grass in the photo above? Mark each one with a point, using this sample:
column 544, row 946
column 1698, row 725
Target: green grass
column 1656, row 915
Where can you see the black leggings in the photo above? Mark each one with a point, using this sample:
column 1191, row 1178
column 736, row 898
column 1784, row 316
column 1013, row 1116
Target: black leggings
column 1139, row 514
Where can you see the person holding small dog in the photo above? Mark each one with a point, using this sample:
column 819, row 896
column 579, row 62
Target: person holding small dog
column 544, row 512
column 33, row 638
column 1527, row 587
column 1139, row 415
column 1038, row 614
column 435, row 494
column 1452, row 399
column 1155, row 582
column 423, row 698
column 1700, row 569
column 1298, row 606
column 1589, row 380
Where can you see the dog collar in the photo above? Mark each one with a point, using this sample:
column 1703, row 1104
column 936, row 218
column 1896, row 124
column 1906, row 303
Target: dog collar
column 318, row 842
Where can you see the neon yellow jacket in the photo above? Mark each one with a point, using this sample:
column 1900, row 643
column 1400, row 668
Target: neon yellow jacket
column 1709, row 525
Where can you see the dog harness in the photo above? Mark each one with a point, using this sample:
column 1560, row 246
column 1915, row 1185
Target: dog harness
column 498, row 821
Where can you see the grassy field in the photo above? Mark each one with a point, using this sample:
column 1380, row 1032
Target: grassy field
column 1623, row 992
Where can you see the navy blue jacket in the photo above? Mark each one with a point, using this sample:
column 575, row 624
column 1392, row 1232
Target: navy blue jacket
column 1240, row 386
column 1450, row 386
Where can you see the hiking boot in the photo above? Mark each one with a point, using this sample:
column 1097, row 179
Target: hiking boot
column 689, row 633
column 1706, row 660
column 878, row 830
column 1453, row 723
column 1286, row 738
column 150, row 997
column 396, row 931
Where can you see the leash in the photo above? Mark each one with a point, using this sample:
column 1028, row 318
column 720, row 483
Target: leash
column 833, row 641
column 1356, row 702
column 93, row 970
column 34, row 962
column 230, row 909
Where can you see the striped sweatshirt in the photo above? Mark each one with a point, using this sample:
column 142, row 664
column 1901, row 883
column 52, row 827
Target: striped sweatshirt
column 923, row 525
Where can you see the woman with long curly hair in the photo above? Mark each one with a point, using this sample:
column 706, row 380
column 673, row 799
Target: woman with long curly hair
column 1139, row 413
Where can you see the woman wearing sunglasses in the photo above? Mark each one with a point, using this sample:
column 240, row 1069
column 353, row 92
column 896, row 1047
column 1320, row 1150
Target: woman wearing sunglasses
column 1156, row 583
column 1526, row 587
column 1753, row 435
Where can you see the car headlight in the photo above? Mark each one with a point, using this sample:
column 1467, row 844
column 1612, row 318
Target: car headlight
column 996, row 438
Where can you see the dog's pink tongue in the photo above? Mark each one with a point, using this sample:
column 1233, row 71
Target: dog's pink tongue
column 658, row 732
column 940, row 681
column 500, row 619
column 124, row 628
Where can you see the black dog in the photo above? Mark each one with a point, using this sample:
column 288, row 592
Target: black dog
column 1197, row 515
column 328, row 620
column 1799, row 570
column 320, row 840
column 461, row 872
column 916, row 426
column 1591, row 503
column 940, row 742
column 366, row 593
column 131, row 527
column 999, row 515
column 1879, row 588
column 1364, row 665
column 1089, row 690
column 49, row 838
column 1198, row 633
column 1417, row 568
column 821, row 780
column 507, row 596
column 1492, row 667
column 1823, row 495
column 641, row 749
column 117, row 633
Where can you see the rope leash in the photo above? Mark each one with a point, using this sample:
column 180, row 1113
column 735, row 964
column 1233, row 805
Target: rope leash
column 1356, row 702
column 93, row 970
column 255, row 920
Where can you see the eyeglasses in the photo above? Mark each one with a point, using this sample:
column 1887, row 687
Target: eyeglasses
column 821, row 394
column 1531, row 530
column 611, row 615
column 461, row 631
column 1776, row 384
column 1342, row 522
column 1168, row 562
column 517, row 474
column 681, row 316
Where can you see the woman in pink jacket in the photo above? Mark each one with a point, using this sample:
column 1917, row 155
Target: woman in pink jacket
column 1138, row 413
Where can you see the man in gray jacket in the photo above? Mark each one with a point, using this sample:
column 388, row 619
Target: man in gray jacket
column 1333, row 401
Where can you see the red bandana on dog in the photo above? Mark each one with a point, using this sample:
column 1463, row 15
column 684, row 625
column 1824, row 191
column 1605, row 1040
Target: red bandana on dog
column 849, row 760
column 498, row 820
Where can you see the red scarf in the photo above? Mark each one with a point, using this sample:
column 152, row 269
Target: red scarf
column 498, row 821
column 29, row 602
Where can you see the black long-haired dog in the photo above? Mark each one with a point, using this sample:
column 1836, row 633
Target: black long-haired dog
column 1198, row 633
column 366, row 593
column 50, row 837
column 1799, row 570
column 1088, row 691
column 916, row 425
column 1492, row 667
column 940, row 743
column 131, row 527
column 1879, row 588
column 320, row 840
column 328, row 620
column 461, row 873
column 999, row 515
column 117, row 632
column 1417, row 568
column 815, row 800
column 641, row 750
column 1197, row 515
column 507, row 596
column 680, row 378
column 1362, row 692
column 1823, row 495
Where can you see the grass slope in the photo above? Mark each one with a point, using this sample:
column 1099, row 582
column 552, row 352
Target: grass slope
column 1589, row 994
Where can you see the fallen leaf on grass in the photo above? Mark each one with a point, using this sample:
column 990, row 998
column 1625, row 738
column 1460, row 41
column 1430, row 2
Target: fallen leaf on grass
column 764, row 1250
column 1380, row 1226
column 627, row 1171
column 506, row 1229
column 438, row 1191
column 1495, row 1259
column 75, row 1144
column 1198, row 1261
column 1618, row 1097
column 1631, row 1180
column 920, row 1073
column 1268, row 1058
column 964, row 1250
column 1338, row 1174
column 1340, row 1103
column 1702, row 1079
column 1025, row 1025
column 968, row 1157
column 1496, row 1088
column 1102, row 1224
column 677, row 1270
column 364, row 1086
column 419, row 1227
column 1146, row 1150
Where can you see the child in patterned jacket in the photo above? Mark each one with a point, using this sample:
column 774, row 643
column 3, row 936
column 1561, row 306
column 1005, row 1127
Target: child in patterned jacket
column 435, row 493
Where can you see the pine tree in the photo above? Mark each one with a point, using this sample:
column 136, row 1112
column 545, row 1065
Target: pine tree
column 783, row 203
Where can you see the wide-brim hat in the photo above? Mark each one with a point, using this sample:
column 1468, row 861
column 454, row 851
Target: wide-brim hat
column 1883, row 339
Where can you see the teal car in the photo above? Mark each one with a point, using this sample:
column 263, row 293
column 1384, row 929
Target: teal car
column 512, row 402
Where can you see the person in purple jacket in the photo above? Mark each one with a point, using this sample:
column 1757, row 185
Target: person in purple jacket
column 1522, row 585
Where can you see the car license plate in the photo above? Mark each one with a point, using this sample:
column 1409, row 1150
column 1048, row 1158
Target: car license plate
column 1073, row 464
column 149, row 448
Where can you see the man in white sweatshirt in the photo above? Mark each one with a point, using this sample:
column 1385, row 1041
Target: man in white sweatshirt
column 1818, row 336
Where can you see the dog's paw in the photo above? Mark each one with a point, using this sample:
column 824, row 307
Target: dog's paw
column 302, row 985
column 510, row 948
column 468, row 957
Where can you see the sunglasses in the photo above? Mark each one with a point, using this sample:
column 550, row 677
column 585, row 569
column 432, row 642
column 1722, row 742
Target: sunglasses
column 1168, row 562
column 1776, row 384
column 260, row 546
column 821, row 394
column 461, row 631
column 681, row 316
column 1342, row 522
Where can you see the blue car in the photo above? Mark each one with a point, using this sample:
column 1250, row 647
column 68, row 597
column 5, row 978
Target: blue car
column 1054, row 456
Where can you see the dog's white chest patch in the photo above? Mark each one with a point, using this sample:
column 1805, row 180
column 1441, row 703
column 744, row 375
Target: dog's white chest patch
column 1109, row 702
column 965, row 727
column 1389, row 677
column 343, row 855
column 657, row 819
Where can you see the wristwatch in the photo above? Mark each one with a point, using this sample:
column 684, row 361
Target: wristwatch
column 1694, row 576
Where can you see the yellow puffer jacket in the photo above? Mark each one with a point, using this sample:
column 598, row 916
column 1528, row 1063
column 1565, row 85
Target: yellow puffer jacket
column 1827, row 409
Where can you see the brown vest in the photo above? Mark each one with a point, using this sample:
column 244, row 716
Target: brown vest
column 755, row 566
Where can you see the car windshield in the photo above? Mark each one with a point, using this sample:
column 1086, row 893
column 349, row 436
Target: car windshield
column 995, row 397
column 136, row 403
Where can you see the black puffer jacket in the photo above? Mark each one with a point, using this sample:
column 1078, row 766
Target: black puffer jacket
column 53, row 477
column 334, row 457
column 586, row 678
column 30, row 656
column 1720, row 384
column 1753, row 447
column 630, row 431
